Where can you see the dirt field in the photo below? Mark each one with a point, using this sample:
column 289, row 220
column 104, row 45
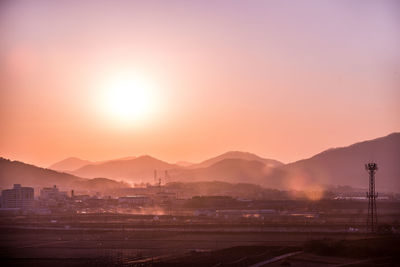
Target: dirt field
column 71, row 247
column 115, row 240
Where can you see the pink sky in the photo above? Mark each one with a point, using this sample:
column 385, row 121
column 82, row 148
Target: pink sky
column 282, row 79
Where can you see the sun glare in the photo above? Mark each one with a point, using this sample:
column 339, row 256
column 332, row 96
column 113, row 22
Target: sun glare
column 128, row 98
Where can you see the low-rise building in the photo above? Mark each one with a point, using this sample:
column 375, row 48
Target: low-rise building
column 52, row 193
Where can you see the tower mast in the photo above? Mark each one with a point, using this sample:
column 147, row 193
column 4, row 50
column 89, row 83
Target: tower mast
column 372, row 219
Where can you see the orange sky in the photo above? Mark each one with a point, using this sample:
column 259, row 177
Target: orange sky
column 283, row 80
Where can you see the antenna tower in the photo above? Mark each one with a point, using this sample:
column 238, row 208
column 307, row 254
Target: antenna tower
column 372, row 219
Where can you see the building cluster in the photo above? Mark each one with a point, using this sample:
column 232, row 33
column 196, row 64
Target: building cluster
column 139, row 200
column 52, row 200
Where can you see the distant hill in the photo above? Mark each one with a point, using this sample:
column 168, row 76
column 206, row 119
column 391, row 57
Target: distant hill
column 338, row 166
column 344, row 166
column 140, row 169
column 73, row 163
column 238, row 155
column 333, row 167
column 184, row 163
column 69, row 164
column 226, row 170
column 15, row 172
column 232, row 166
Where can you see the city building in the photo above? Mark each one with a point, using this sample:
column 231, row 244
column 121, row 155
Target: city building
column 18, row 197
column 52, row 193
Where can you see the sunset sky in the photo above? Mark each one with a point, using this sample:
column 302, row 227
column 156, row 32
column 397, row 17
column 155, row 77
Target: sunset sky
column 187, row 80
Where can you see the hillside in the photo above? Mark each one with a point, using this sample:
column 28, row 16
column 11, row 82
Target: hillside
column 12, row 172
column 73, row 163
column 344, row 166
column 139, row 169
column 184, row 163
column 227, row 170
column 69, row 164
column 237, row 155
column 337, row 166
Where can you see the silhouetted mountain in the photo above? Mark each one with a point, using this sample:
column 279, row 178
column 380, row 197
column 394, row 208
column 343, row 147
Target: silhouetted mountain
column 139, row 169
column 344, row 166
column 15, row 172
column 227, row 170
column 69, row 164
column 73, row 163
column 339, row 166
column 184, row 163
column 237, row 155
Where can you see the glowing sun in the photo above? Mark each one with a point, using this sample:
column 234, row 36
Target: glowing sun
column 128, row 98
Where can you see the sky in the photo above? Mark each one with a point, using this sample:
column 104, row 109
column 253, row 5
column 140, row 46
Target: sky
column 188, row 80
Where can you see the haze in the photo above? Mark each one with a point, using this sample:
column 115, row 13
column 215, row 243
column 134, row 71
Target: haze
column 281, row 79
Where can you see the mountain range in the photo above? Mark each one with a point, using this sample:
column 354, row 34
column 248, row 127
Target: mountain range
column 15, row 172
column 69, row 164
column 140, row 169
column 337, row 166
column 73, row 163
column 231, row 166
column 345, row 166
column 333, row 167
column 237, row 155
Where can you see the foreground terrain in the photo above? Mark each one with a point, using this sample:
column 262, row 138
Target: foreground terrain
column 139, row 241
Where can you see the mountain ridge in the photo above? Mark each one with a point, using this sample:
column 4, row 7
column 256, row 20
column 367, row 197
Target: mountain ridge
column 334, row 166
column 236, row 155
column 69, row 163
column 16, row 172
column 139, row 169
column 345, row 166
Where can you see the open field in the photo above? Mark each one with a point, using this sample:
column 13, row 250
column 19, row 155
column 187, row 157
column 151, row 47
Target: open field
column 143, row 240
column 166, row 248
column 76, row 246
